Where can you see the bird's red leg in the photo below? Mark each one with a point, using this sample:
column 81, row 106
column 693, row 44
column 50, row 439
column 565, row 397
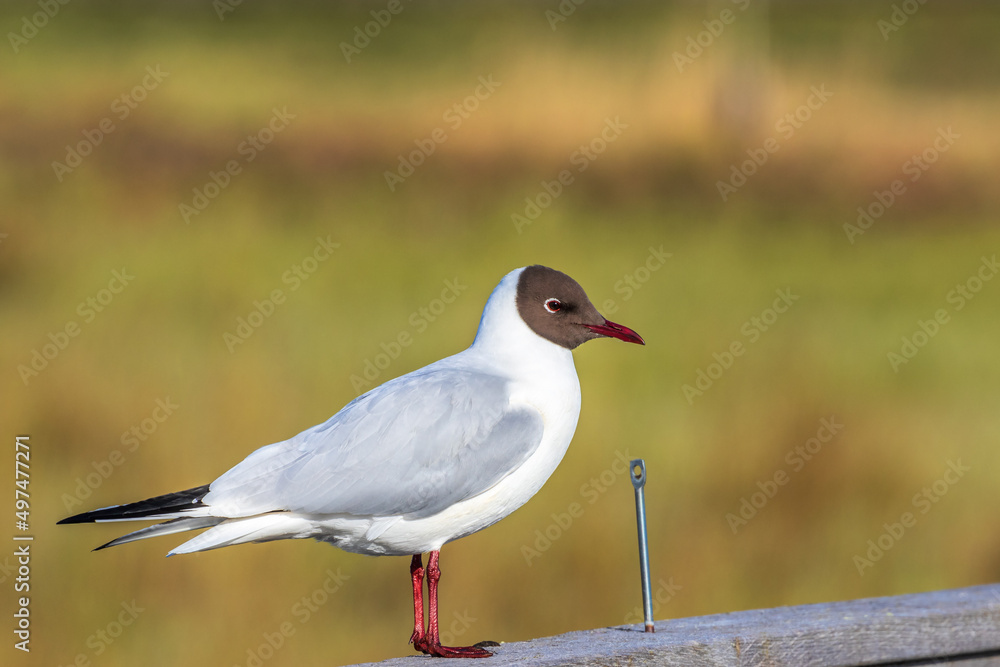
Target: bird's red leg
column 432, row 642
column 418, row 638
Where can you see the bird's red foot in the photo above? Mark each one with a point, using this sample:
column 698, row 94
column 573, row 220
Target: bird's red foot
column 437, row 650
column 460, row 652
column 426, row 639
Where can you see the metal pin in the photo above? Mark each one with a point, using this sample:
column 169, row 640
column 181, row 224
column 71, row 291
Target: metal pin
column 638, row 471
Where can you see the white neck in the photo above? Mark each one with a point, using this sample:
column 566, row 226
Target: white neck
column 507, row 341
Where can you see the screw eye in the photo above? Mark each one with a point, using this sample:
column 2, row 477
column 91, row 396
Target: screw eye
column 553, row 305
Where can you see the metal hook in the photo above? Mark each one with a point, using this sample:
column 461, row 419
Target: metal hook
column 637, row 470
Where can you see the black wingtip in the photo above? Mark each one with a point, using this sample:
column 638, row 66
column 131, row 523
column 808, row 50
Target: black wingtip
column 77, row 518
column 151, row 507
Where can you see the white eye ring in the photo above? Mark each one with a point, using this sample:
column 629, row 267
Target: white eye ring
column 553, row 305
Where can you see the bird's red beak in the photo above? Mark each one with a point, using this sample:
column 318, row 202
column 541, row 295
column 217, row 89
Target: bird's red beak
column 612, row 330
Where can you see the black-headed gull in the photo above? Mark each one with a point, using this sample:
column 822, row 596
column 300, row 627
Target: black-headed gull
column 424, row 459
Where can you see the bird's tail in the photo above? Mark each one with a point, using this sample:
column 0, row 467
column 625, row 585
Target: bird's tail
column 183, row 511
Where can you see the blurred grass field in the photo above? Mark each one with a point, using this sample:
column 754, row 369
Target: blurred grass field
column 654, row 189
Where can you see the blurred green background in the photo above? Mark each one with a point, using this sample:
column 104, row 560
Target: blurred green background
column 884, row 96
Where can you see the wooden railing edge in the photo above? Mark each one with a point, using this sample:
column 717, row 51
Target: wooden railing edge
column 956, row 626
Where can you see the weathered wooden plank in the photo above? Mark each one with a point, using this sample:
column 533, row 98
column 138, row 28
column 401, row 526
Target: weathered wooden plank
column 960, row 628
column 957, row 662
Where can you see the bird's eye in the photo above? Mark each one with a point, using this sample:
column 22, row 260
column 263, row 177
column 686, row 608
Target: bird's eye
column 553, row 305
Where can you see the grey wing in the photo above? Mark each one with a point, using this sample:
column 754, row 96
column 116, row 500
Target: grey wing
column 412, row 447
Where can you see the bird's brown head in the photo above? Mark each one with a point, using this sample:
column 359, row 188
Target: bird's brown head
column 556, row 308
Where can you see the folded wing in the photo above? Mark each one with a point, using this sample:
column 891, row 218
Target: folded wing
column 412, row 447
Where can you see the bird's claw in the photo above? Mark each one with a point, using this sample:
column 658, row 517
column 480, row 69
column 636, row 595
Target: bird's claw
column 437, row 650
